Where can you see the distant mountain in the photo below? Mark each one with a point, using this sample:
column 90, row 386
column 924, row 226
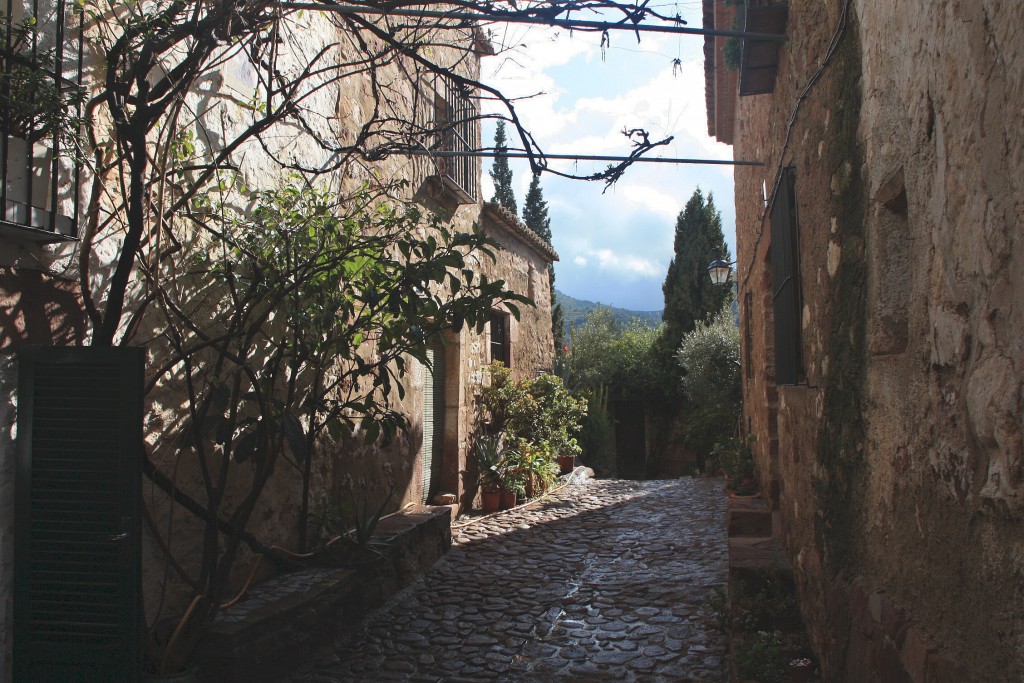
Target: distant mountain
column 576, row 310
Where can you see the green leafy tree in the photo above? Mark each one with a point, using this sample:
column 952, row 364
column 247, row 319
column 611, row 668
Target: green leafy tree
column 606, row 358
column 710, row 360
column 690, row 296
column 501, row 173
column 319, row 301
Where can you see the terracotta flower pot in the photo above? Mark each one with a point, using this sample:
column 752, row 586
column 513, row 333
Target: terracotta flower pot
column 566, row 463
column 490, row 501
column 508, row 499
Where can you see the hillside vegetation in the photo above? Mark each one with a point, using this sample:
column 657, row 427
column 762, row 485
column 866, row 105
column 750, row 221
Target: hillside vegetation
column 576, row 310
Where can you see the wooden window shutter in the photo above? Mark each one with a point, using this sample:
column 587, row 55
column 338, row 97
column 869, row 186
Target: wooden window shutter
column 786, row 282
column 77, row 560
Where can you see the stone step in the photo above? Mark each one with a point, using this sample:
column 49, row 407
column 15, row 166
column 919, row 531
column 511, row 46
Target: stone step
column 748, row 517
column 751, row 555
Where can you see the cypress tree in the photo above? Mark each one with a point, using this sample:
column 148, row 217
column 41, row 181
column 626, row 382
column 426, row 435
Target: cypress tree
column 690, row 296
column 535, row 210
column 535, row 215
column 501, row 174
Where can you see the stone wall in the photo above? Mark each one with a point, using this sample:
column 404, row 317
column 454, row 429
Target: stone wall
column 895, row 466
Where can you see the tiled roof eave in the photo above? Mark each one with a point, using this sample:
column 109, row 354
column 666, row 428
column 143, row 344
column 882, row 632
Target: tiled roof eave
column 508, row 220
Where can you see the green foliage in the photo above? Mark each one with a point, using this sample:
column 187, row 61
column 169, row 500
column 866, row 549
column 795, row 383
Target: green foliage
column 290, row 325
column 721, row 614
column 490, row 455
column 575, row 312
column 732, row 52
column 710, row 361
column 32, row 104
column 733, row 457
column 558, row 330
column 536, row 410
column 761, row 656
column 598, row 437
column 690, row 296
column 535, row 210
column 766, row 602
column 605, row 353
column 531, row 466
column 501, row 173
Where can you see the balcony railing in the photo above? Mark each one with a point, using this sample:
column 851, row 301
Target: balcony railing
column 40, row 111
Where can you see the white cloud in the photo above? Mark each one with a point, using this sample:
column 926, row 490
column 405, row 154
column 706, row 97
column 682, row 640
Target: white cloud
column 615, row 245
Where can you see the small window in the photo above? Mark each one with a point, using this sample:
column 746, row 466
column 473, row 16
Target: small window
column 786, row 295
column 500, row 348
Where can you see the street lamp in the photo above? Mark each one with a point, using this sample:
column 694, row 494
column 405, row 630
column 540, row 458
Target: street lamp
column 720, row 271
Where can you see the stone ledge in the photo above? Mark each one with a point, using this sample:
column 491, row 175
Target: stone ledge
column 748, row 517
column 284, row 619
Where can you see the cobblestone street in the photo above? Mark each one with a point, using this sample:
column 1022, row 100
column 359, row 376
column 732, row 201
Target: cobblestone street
column 608, row 581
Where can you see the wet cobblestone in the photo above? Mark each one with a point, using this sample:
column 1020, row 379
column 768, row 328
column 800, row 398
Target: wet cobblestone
column 603, row 582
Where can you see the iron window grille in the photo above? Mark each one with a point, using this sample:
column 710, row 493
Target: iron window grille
column 458, row 123
column 40, row 113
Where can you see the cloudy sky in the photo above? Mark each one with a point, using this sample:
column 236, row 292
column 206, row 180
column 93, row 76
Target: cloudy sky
column 614, row 246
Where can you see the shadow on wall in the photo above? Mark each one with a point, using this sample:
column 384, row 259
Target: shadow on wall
column 38, row 309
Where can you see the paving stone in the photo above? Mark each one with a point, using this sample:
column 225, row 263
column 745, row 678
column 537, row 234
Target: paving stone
column 606, row 581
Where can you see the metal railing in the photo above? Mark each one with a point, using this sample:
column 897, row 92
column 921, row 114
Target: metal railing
column 40, row 113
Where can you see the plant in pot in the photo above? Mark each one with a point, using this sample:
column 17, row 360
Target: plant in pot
column 537, row 465
column 490, row 454
column 736, row 462
column 513, row 482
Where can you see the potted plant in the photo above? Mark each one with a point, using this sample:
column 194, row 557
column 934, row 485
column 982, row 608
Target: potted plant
column 489, row 454
column 537, row 465
column 736, row 462
column 513, row 482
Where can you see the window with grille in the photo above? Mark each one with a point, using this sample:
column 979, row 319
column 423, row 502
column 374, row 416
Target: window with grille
column 500, row 347
column 40, row 112
column 458, row 124
column 786, row 297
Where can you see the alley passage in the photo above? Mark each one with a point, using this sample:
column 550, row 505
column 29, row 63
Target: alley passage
column 608, row 581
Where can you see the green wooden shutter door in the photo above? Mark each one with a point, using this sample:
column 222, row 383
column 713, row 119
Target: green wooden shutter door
column 433, row 419
column 77, row 561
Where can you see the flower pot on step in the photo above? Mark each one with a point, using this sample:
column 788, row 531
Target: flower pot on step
column 508, row 499
column 490, row 501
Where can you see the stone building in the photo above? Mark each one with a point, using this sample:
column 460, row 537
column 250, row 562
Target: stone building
column 880, row 266
column 43, row 230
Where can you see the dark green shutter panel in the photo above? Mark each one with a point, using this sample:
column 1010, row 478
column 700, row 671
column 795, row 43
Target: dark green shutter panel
column 77, row 566
column 433, row 419
column 786, row 282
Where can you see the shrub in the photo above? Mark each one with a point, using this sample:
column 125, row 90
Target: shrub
column 710, row 357
column 598, row 435
column 534, row 410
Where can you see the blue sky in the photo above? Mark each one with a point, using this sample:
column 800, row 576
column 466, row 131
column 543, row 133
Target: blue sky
column 614, row 246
